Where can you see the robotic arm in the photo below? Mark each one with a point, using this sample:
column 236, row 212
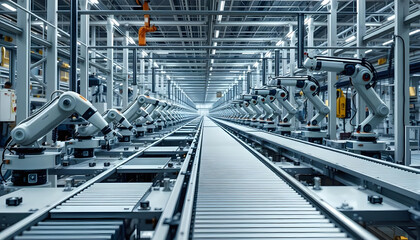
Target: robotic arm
column 310, row 88
column 53, row 113
column 245, row 106
column 269, row 95
column 110, row 115
column 135, row 110
column 253, row 104
column 268, row 111
column 363, row 78
column 282, row 95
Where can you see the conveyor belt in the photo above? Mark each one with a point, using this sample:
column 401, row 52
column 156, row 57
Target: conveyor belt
column 396, row 179
column 238, row 197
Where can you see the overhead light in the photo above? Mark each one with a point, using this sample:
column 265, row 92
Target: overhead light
column 58, row 35
column 388, row 42
column 8, row 7
column 215, row 44
column 222, row 5
column 255, row 64
column 93, row 1
column 78, row 43
column 219, row 18
column 210, row 74
column 167, row 76
column 289, row 34
column 390, row 18
column 106, row 60
column 355, row 55
column 212, row 61
column 324, row 52
column 248, row 53
column 279, row 43
column 369, row 51
column 216, row 33
column 155, row 65
column 352, row 38
column 115, row 22
column 268, row 54
column 131, row 40
column 119, row 67
column 234, row 71
column 325, row 2
column 211, row 68
column 213, row 51
column 414, row 32
column 144, row 53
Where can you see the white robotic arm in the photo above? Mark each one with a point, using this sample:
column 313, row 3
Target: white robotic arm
column 282, row 95
column 269, row 95
column 310, row 88
column 111, row 115
column 363, row 78
column 246, row 107
column 268, row 111
column 53, row 113
column 135, row 110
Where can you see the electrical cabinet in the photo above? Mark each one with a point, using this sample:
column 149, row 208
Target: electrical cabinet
column 7, row 105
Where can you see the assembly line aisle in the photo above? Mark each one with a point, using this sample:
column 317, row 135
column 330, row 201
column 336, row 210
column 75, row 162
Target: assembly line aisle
column 238, row 197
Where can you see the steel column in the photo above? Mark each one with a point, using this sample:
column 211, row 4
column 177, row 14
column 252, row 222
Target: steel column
column 332, row 76
column 401, row 75
column 361, row 32
column 51, row 58
column 125, row 72
column 23, row 43
column 135, row 89
column 169, row 89
column 301, row 40
column 248, row 81
column 311, row 52
column 73, row 44
column 153, row 81
column 93, row 43
column 263, row 73
column 84, row 38
column 110, row 56
column 142, row 74
column 277, row 63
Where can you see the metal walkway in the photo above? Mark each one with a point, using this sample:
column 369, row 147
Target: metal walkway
column 238, row 197
column 381, row 173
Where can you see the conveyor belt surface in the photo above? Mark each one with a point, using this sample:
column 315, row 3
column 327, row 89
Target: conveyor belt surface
column 238, row 197
column 396, row 179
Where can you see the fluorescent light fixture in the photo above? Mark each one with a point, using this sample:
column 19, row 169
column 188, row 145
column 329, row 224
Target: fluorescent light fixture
column 119, row 67
column 219, row 18
column 131, row 40
column 93, row 1
column 391, row 18
column 210, row 74
column 325, row 2
column 215, row 44
column 352, row 38
column 8, row 7
column 255, row 64
column 289, row 34
column 211, row 68
column 58, row 35
column 212, row 61
column 115, row 22
column 144, row 53
column 248, row 53
column 213, row 51
column 167, row 76
column 222, row 5
column 369, row 51
column 78, row 43
column 216, row 33
column 324, row 52
column 234, row 71
column 414, row 32
column 388, row 42
column 268, row 54
column 155, row 65
column 106, row 60
column 279, row 43
column 355, row 55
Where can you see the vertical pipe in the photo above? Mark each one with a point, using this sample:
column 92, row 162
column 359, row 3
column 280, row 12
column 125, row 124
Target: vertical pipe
column 153, row 80
column 401, row 74
column 169, row 89
column 142, row 73
column 301, row 40
column 277, row 63
column 23, row 43
column 73, row 44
